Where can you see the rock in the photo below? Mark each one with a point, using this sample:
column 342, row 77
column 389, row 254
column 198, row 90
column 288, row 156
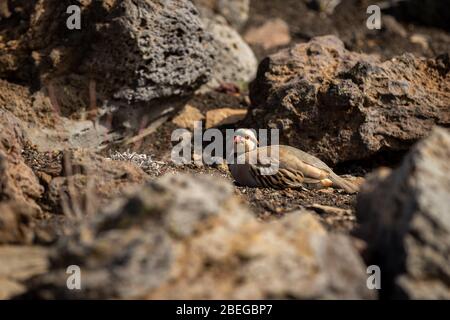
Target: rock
column 34, row 108
column 392, row 26
column 19, row 188
column 429, row 12
column 95, row 181
column 19, row 263
column 405, row 220
column 136, row 51
column 235, row 62
column 341, row 105
column 420, row 40
column 236, row 12
column 273, row 33
column 224, row 116
column 4, row 9
column 186, row 237
column 17, row 225
column 330, row 210
column 187, row 117
column 326, row 6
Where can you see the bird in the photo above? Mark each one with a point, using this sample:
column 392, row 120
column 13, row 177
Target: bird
column 294, row 168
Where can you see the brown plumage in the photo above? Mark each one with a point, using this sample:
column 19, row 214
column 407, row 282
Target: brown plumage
column 296, row 169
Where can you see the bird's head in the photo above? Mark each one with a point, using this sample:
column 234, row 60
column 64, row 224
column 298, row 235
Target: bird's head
column 245, row 140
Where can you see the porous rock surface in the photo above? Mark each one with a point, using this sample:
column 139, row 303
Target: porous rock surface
column 135, row 50
column 342, row 105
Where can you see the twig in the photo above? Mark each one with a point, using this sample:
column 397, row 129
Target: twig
column 76, row 208
column 53, row 99
column 146, row 132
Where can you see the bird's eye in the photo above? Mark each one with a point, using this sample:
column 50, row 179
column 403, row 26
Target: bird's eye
column 247, row 137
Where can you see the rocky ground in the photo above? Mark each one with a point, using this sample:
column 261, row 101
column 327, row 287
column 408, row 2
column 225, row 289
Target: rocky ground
column 86, row 177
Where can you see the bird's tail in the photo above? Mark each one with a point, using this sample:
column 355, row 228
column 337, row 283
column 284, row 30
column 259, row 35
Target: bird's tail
column 343, row 184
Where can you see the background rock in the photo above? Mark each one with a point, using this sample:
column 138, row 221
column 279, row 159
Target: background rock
column 326, row 6
column 20, row 263
column 236, row 12
column 341, row 105
column 273, row 33
column 428, row 12
column 30, row 107
column 235, row 62
column 136, row 51
column 405, row 220
column 19, row 188
column 183, row 237
column 348, row 23
column 224, row 116
column 95, row 180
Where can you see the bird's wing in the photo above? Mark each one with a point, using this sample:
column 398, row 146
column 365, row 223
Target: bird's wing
column 271, row 174
column 293, row 168
column 305, row 157
column 312, row 168
column 295, row 161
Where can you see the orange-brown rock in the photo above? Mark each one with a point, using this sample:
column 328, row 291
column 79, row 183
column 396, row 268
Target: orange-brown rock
column 190, row 237
column 342, row 105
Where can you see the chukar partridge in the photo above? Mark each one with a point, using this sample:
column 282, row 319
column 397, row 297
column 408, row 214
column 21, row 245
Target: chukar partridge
column 295, row 168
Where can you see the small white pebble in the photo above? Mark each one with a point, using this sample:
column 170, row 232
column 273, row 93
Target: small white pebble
column 144, row 161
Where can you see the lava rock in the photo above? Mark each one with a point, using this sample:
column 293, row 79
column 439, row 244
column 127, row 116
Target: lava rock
column 136, row 51
column 235, row 61
column 341, row 105
column 94, row 180
column 186, row 237
column 404, row 217
column 236, row 12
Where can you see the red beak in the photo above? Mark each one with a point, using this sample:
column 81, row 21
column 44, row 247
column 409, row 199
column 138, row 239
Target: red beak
column 237, row 139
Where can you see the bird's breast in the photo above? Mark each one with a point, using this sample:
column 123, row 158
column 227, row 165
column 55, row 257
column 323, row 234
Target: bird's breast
column 242, row 175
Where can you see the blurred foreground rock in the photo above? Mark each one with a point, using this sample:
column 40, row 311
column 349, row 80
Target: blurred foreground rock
column 405, row 220
column 236, row 12
column 234, row 60
column 342, row 105
column 19, row 263
column 187, row 237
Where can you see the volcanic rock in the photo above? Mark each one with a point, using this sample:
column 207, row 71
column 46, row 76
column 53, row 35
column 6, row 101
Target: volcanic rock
column 20, row 263
column 235, row 61
column 136, row 51
column 341, row 105
column 273, row 33
column 405, row 219
column 186, row 237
